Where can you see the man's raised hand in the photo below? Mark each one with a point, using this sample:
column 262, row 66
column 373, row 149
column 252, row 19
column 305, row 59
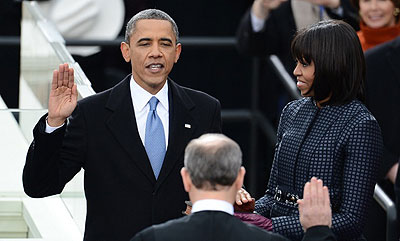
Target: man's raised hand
column 315, row 208
column 63, row 95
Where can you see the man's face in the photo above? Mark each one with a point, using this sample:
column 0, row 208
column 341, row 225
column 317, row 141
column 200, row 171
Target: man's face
column 152, row 52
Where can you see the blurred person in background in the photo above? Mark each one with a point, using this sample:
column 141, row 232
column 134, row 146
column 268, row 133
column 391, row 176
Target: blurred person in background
column 98, row 20
column 382, row 98
column 379, row 21
column 10, row 26
column 268, row 28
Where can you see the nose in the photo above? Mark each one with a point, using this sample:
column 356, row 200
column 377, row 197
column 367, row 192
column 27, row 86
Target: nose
column 296, row 70
column 373, row 4
column 155, row 51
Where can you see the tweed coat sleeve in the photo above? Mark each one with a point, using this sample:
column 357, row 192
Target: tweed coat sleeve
column 362, row 154
column 346, row 158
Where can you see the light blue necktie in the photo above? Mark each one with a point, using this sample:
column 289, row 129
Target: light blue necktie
column 154, row 142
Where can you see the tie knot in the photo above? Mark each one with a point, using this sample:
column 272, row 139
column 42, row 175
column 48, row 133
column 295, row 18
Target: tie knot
column 153, row 103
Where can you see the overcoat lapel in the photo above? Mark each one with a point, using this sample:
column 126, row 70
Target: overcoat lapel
column 181, row 128
column 122, row 124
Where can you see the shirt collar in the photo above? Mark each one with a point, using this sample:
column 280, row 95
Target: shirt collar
column 140, row 96
column 212, row 205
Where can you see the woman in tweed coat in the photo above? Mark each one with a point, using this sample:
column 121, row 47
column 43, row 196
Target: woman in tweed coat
column 328, row 134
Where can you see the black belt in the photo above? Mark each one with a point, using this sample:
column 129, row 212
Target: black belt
column 286, row 197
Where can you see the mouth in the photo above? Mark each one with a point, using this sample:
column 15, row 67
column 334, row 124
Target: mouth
column 300, row 84
column 155, row 67
column 375, row 17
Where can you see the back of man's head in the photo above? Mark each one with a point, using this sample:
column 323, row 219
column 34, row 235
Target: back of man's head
column 213, row 161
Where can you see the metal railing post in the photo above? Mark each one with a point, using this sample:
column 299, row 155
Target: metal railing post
column 392, row 225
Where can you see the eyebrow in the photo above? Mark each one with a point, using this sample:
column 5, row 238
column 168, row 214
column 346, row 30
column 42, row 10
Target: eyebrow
column 143, row 39
column 166, row 39
column 149, row 39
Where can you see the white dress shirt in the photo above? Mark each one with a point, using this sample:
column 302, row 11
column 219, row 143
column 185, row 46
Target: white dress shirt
column 256, row 23
column 212, row 205
column 140, row 101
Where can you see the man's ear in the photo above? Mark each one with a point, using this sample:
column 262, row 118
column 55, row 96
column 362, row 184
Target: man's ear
column 240, row 178
column 125, row 52
column 178, row 50
column 187, row 182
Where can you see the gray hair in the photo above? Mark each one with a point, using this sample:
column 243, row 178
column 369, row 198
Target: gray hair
column 211, row 160
column 149, row 14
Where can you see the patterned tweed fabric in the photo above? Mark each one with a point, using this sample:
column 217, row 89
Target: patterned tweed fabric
column 342, row 146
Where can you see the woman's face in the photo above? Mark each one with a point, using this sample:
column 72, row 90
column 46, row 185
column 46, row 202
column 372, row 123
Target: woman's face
column 377, row 13
column 305, row 77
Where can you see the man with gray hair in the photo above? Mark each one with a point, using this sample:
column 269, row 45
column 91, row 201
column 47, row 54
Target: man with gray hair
column 212, row 176
column 129, row 139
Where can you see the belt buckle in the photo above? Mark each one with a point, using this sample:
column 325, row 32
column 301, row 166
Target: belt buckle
column 278, row 194
column 286, row 197
column 291, row 199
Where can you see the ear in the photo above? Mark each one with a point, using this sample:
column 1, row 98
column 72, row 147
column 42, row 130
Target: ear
column 178, row 50
column 240, row 178
column 125, row 52
column 187, row 182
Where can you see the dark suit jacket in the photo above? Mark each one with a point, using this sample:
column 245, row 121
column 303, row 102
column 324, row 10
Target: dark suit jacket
column 123, row 196
column 340, row 145
column 382, row 96
column 216, row 225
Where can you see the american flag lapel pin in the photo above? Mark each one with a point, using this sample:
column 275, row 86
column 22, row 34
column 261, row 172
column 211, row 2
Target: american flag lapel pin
column 188, row 126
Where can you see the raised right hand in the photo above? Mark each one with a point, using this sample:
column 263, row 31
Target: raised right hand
column 261, row 8
column 63, row 95
column 314, row 208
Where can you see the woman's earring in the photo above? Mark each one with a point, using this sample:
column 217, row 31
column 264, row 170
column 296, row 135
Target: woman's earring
column 396, row 12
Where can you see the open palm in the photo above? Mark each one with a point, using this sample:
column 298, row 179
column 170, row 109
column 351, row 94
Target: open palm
column 63, row 95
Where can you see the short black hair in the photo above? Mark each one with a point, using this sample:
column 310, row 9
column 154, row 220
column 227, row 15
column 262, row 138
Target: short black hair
column 334, row 48
column 149, row 14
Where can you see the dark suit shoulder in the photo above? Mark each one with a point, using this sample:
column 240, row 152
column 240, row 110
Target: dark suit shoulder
column 381, row 49
column 261, row 234
column 195, row 95
column 207, row 225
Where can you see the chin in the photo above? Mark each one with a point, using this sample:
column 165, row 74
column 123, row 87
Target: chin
column 377, row 25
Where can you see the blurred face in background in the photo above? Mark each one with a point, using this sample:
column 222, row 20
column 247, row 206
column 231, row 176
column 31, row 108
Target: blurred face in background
column 377, row 13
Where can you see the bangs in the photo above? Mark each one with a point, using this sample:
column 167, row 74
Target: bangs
column 301, row 48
